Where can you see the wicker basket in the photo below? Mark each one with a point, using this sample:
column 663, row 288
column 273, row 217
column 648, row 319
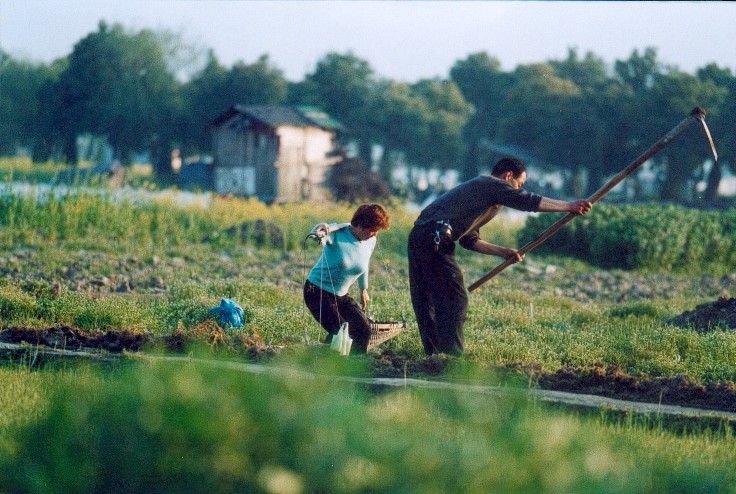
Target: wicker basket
column 382, row 331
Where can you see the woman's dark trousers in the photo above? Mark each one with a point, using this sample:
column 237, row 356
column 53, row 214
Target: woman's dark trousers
column 332, row 310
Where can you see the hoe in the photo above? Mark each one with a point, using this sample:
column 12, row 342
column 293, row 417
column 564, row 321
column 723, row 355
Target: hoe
column 698, row 114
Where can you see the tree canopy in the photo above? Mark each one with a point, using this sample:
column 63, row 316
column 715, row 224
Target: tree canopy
column 576, row 115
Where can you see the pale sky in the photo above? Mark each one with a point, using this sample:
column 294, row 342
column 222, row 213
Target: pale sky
column 401, row 40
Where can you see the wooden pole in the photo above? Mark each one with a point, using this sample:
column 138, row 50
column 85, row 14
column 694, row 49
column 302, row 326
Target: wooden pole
column 697, row 114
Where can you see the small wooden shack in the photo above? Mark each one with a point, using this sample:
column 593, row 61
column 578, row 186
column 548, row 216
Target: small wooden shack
column 274, row 153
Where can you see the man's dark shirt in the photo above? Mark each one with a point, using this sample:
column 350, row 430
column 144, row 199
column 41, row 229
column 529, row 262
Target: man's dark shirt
column 464, row 204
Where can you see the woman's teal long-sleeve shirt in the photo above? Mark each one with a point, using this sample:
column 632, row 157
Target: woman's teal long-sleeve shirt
column 344, row 260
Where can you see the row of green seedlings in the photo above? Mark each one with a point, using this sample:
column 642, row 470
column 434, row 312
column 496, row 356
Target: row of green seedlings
column 651, row 237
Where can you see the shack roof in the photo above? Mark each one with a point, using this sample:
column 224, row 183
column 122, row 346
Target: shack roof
column 319, row 117
column 277, row 116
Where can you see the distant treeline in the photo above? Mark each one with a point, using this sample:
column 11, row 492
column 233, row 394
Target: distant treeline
column 578, row 116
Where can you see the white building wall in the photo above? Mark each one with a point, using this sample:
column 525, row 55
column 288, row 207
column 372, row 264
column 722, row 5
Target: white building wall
column 303, row 162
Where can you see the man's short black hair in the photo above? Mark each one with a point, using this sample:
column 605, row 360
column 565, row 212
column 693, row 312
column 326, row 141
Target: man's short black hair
column 513, row 165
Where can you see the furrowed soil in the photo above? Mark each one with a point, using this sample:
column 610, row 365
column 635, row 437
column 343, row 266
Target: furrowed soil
column 133, row 276
column 208, row 333
column 597, row 379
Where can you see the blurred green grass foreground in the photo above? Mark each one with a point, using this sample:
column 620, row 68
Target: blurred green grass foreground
column 191, row 427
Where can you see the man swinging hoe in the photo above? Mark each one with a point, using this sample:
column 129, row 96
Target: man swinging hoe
column 437, row 287
column 438, row 293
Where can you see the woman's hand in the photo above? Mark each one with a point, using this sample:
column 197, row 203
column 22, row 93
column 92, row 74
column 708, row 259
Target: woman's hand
column 364, row 298
column 321, row 230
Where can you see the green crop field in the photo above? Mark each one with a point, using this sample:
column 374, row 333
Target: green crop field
column 138, row 277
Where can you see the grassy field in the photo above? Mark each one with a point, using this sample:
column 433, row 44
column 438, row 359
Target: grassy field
column 142, row 426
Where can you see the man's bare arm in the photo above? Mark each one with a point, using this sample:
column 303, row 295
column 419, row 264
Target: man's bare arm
column 579, row 206
column 490, row 249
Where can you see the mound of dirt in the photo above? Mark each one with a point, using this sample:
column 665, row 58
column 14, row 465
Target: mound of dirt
column 613, row 382
column 720, row 314
column 116, row 341
column 386, row 363
column 212, row 334
column 596, row 379
column 67, row 338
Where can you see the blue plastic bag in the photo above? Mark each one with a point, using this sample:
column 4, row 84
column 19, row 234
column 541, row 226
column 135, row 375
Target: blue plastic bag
column 230, row 313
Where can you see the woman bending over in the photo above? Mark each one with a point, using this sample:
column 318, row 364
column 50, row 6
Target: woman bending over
column 345, row 259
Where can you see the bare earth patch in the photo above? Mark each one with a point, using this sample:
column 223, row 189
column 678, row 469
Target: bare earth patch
column 601, row 379
column 720, row 314
column 67, row 338
column 117, row 341
column 611, row 381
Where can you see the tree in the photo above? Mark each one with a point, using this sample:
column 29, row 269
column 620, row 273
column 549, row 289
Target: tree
column 344, row 86
column 612, row 112
column 722, row 124
column 117, row 85
column 441, row 145
column 215, row 89
column 183, row 58
column 541, row 114
column 589, row 72
column 423, row 122
column 484, row 85
column 49, row 140
column 203, row 99
column 256, row 84
column 639, row 71
column 602, row 118
column 21, row 110
column 399, row 119
column 481, row 81
column 672, row 96
column 302, row 93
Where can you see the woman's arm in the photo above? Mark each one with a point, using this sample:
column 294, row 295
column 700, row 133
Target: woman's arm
column 326, row 228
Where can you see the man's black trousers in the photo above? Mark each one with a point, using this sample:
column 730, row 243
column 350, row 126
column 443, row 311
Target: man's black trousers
column 438, row 293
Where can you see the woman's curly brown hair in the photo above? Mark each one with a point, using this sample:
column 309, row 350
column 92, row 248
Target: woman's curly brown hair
column 371, row 217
